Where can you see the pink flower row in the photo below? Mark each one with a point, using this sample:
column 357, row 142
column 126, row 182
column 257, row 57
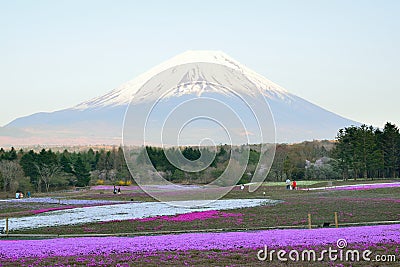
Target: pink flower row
column 366, row 186
column 188, row 217
column 53, row 209
column 59, row 247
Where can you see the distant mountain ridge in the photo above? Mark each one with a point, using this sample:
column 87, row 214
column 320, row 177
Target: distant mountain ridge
column 100, row 120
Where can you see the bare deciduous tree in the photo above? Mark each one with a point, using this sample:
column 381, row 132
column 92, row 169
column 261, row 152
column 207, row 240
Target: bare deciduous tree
column 47, row 173
column 11, row 172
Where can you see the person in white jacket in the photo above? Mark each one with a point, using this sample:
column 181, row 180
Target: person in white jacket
column 288, row 187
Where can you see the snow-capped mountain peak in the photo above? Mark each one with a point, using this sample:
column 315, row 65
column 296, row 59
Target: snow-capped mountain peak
column 123, row 94
column 183, row 77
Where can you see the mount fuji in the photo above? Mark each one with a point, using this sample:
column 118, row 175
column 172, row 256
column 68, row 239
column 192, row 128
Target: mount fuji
column 100, row 120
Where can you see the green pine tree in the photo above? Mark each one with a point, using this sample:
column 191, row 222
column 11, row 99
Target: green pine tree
column 81, row 172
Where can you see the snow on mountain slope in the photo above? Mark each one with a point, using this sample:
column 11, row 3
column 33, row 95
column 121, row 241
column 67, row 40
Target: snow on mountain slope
column 185, row 76
column 123, row 94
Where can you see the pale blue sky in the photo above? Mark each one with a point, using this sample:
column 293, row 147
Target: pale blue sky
column 341, row 55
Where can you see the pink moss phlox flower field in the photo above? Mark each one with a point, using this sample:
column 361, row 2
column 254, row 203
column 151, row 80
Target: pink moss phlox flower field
column 356, row 187
column 111, row 187
column 369, row 235
column 65, row 208
column 52, row 209
column 61, row 201
column 366, row 186
column 188, row 217
column 149, row 187
column 126, row 211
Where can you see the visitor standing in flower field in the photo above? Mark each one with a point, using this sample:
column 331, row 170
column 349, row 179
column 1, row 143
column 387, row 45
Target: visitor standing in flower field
column 288, row 184
column 294, row 185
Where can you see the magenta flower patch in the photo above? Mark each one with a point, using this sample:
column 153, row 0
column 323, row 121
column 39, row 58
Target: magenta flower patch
column 366, row 186
column 111, row 187
column 188, row 217
column 59, row 247
column 53, row 209
column 356, row 187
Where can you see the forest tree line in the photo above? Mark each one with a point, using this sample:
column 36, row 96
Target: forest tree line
column 357, row 152
column 45, row 170
column 368, row 152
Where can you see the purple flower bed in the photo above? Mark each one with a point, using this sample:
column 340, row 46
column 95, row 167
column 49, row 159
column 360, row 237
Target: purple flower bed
column 111, row 187
column 52, row 209
column 174, row 187
column 61, row 247
column 365, row 186
column 356, row 186
column 62, row 201
column 188, row 217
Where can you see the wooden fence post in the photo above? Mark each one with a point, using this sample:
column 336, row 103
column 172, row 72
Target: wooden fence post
column 309, row 221
column 336, row 220
column 7, row 226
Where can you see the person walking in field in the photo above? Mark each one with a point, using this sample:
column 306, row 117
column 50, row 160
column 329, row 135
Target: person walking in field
column 288, row 184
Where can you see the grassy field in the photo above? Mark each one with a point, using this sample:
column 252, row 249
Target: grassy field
column 352, row 207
